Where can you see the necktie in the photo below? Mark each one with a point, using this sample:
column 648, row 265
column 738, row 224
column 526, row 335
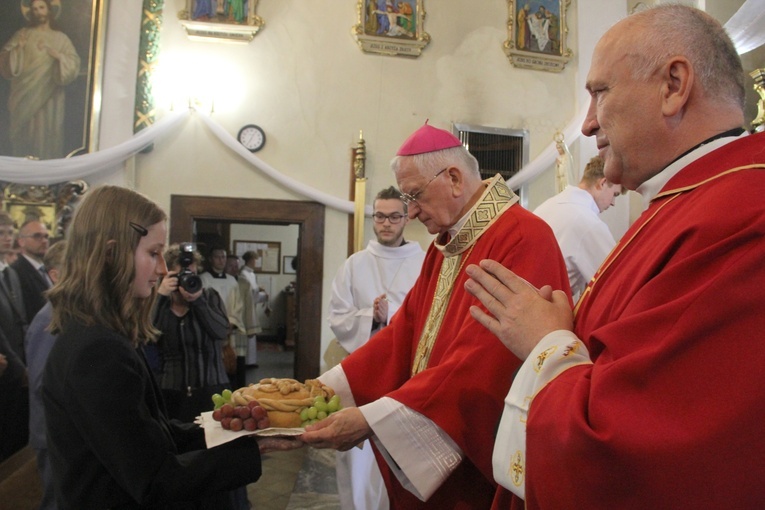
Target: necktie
column 45, row 276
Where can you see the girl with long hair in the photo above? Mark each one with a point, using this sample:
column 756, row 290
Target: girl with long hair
column 110, row 443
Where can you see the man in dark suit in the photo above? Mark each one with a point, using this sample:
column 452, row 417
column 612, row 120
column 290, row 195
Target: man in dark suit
column 13, row 316
column 14, row 398
column 33, row 243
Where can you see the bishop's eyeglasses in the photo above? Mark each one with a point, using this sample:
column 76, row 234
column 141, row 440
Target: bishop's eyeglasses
column 408, row 199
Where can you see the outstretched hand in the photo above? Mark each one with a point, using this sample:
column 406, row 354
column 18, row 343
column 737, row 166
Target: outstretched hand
column 340, row 431
column 519, row 314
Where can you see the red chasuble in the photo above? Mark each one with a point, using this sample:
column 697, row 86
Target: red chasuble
column 469, row 371
column 672, row 412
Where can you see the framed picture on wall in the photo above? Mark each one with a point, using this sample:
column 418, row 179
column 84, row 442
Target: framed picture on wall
column 50, row 80
column 537, row 34
column 221, row 20
column 269, row 254
column 391, row 27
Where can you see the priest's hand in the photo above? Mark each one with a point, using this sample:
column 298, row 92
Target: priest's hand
column 340, row 431
column 519, row 314
column 380, row 313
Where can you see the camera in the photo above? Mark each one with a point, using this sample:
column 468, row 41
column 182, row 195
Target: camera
column 187, row 279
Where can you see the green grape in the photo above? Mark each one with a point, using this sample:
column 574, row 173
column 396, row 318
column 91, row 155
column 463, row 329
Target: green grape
column 304, row 414
column 217, row 400
column 333, row 405
column 312, row 412
column 311, row 422
column 321, row 415
column 226, row 394
column 319, row 398
column 321, row 406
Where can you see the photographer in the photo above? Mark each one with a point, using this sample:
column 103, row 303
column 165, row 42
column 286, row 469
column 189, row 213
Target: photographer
column 194, row 326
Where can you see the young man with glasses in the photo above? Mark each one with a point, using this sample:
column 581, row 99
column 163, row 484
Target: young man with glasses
column 429, row 388
column 368, row 289
column 33, row 244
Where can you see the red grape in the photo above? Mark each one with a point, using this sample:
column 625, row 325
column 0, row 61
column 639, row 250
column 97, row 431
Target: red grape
column 259, row 413
column 252, row 403
column 242, row 412
column 250, row 424
column 217, row 415
column 226, row 423
column 264, row 423
column 236, row 424
column 227, row 410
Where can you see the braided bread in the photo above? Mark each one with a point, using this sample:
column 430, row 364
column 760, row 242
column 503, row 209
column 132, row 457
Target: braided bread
column 284, row 399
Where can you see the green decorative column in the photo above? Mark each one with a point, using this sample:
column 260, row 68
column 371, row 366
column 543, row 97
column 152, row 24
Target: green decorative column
column 148, row 54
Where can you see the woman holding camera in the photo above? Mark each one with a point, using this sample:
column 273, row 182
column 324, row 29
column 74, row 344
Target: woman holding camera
column 194, row 326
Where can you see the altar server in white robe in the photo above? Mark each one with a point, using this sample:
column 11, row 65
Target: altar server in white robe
column 367, row 291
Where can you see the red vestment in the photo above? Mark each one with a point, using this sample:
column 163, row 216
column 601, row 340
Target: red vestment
column 469, row 371
column 671, row 413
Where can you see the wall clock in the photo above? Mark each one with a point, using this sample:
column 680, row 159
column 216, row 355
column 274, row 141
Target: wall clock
column 252, row 137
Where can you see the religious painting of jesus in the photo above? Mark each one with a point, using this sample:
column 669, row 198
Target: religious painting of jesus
column 51, row 58
column 221, row 20
column 537, row 34
column 391, row 27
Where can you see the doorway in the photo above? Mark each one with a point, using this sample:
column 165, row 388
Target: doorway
column 186, row 210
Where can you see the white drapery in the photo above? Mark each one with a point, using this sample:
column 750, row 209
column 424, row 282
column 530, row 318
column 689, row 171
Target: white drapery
column 746, row 28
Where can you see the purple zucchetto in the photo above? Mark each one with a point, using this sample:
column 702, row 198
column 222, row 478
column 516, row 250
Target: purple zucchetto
column 428, row 139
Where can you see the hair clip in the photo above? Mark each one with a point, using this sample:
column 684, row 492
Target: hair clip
column 138, row 228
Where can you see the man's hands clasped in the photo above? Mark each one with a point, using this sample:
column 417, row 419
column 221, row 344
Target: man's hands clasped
column 519, row 314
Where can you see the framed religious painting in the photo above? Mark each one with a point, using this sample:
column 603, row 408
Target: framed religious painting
column 391, row 27
column 52, row 205
column 51, row 67
column 221, row 20
column 537, row 34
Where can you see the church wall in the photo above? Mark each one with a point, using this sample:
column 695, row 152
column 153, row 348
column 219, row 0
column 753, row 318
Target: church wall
column 307, row 84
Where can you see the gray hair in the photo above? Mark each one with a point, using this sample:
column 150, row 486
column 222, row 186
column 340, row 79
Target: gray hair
column 432, row 162
column 675, row 29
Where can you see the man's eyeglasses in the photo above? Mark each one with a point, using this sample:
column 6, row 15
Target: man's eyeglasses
column 38, row 236
column 408, row 199
column 393, row 218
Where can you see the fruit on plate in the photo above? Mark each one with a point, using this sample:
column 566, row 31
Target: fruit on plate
column 286, row 399
column 251, row 416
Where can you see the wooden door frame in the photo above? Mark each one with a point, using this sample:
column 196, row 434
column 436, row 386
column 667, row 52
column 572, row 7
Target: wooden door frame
column 309, row 216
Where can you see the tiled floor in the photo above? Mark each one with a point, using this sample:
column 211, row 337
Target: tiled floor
column 302, row 479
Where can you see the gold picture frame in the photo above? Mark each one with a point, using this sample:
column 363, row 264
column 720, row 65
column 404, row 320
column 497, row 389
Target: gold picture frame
column 52, row 205
column 537, row 34
column 72, row 109
column 391, row 27
column 221, row 20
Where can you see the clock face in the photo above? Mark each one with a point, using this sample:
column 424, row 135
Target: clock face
column 252, row 137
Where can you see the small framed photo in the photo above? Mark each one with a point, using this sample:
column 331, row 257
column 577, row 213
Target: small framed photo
column 287, row 264
column 391, row 27
column 537, row 34
column 269, row 254
column 50, row 80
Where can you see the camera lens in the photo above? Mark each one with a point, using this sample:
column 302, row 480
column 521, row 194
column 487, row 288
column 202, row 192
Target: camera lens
column 190, row 282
